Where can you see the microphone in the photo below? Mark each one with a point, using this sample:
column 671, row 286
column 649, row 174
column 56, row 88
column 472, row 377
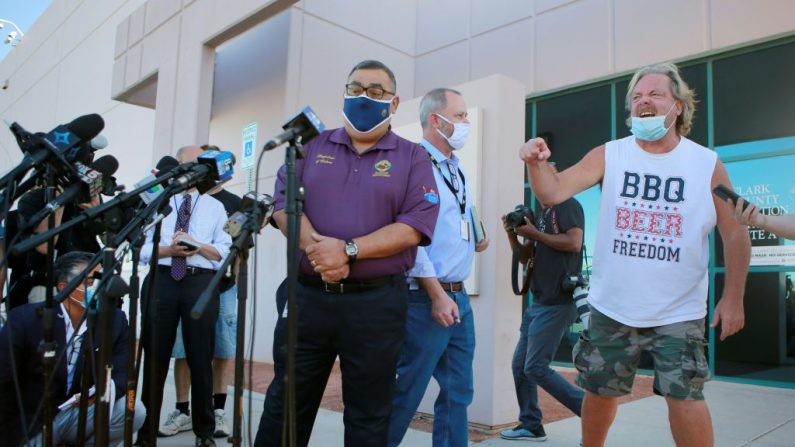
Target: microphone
column 66, row 138
column 89, row 184
column 99, row 142
column 165, row 165
column 211, row 169
column 59, row 148
column 107, row 165
column 263, row 203
column 305, row 125
column 22, row 136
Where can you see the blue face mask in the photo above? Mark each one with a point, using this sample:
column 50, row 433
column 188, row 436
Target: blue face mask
column 365, row 114
column 651, row 128
column 88, row 297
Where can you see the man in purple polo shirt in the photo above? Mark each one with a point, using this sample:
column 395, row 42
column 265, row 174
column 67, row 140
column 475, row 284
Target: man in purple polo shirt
column 370, row 199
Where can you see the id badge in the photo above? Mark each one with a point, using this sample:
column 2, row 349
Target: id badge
column 464, row 229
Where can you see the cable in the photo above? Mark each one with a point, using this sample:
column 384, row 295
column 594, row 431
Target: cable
column 253, row 306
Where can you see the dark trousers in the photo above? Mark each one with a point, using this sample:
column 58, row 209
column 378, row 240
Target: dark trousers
column 540, row 334
column 366, row 331
column 175, row 301
column 269, row 432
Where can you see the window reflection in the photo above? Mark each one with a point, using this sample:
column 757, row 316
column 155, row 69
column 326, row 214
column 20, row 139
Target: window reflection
column 765, row 348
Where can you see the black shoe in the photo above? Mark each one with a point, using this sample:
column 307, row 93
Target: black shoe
column 141, row 442
column 205, row 442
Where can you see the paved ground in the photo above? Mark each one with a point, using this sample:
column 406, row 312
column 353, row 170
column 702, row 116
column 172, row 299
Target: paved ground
column 743, row 415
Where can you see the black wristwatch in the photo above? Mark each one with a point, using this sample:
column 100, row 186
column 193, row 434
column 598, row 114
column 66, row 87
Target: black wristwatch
column 352, row 250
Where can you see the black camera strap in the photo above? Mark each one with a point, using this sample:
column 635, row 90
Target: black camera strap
column 527, row 273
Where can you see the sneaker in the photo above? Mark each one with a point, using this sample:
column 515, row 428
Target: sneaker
column 520, row 433
column 175, row 423
column 221, row 429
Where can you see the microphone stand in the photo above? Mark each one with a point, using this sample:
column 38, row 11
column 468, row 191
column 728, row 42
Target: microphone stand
column 96, row 211
column 132, row 348
column 240, row 341
column 239, row 250
column 107, row 298
column 48, row 345
column 152, row 301
column 133, row 231
column 116, row 289
column 88, row 367
column 294, row 210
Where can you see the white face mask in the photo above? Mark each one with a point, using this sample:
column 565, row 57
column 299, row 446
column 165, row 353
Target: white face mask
column 460, row 134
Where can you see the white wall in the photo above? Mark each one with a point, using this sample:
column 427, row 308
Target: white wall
column 63, row 69
column 551, row 44
column 250, row 74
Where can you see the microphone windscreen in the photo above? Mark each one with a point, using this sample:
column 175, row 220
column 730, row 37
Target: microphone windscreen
column 99, row 142
column 107, row 165
column 166, row 164
column 87, row 127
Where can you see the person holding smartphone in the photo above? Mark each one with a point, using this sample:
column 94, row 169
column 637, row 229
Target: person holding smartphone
column 179, row 420
column 746, row 213
column 193, row 244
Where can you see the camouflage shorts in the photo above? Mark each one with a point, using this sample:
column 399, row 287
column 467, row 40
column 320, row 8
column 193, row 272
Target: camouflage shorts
column 608, row 352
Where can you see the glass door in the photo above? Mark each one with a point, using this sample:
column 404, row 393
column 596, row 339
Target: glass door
column 765, row 350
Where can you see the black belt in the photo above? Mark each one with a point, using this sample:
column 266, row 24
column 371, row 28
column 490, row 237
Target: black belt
column 189, row 271
column 348, row 285
column 452, row 286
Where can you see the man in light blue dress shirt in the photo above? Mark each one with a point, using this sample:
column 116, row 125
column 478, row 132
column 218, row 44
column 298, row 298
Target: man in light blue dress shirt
column 440, row 327
column 184, row 273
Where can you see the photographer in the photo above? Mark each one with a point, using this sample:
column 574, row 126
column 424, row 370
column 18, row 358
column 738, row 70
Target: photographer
column 28, row 274
column 557, row 238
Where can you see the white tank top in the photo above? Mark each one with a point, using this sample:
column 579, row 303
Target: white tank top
column 652, row 245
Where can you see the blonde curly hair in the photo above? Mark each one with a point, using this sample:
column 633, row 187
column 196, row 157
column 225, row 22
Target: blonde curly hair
column 679, row 88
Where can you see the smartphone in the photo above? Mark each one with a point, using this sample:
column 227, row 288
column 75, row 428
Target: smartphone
column 727, row 194
column 189, row 244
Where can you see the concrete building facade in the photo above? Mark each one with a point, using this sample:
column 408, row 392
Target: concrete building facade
column 166, row 73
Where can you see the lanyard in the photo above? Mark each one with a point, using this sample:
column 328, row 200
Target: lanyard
column 463, row 202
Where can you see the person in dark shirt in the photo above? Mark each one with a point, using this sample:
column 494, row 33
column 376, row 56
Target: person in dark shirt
column 557, row 236
column 29, row 279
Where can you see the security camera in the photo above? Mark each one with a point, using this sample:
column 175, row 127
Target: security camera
column 2, row 25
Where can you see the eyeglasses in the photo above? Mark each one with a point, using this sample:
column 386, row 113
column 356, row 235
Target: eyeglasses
column 453, row 179
column 373, row 91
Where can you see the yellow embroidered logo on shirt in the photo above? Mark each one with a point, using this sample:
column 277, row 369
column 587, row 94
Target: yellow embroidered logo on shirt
column 382, row 168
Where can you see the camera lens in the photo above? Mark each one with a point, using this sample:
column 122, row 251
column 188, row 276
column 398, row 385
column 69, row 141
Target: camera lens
column 516, row 218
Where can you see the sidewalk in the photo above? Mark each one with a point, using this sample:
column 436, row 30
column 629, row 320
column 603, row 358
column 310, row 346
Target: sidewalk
column 743, row 415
